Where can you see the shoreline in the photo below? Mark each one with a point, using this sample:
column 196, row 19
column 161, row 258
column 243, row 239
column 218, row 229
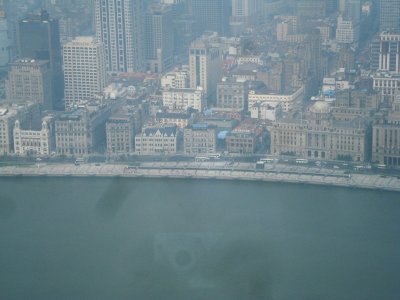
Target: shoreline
column 210, row 171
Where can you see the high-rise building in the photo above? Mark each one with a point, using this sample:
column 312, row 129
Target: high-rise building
column 84, row 70
column 30, row 80
column 389, row 15
column 385, row 53
column 39, row 38
column 211, row 15
column 159, row 40
column 244, row 13
column 204, row 65
column 119, row 26
column 5, row 42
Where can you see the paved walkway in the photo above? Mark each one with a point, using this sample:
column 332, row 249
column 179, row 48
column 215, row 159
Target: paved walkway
column 207, row 170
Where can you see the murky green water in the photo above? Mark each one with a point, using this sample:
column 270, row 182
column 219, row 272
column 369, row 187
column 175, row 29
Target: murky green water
column 99, row 239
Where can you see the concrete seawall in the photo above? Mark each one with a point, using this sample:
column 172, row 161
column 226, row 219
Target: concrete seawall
column 218, row 171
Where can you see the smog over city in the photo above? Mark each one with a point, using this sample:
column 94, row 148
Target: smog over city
column 199, row 149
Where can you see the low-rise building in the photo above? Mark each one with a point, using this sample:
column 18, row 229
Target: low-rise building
column 245, row 138
column 287, row 101
column 386, row 137
column 34, row 142
column 81, row 132
column 157, row 141
column 319, row 136
column 182, row 99
column 270, row 111
column 176, row 79
column 232, row 94
column 180, row 119
column 28, row 115
column 200, row 139
column 120, row 133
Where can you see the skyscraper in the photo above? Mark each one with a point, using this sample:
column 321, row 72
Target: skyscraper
column 84, row 70
column 159, row 38
column 244, row 13
column 39, row 38
column 204, row 65
column 389, row 15
column 119, row 26
column 5, row 42
column 211, row 15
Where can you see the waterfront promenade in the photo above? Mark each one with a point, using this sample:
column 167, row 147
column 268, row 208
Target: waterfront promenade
column 212, row 170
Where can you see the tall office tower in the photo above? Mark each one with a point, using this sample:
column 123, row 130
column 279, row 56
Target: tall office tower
column 389, row 18
column 84, row 70
column 159, row 38
column 30, row 80
column 211, row 15
column 307, row 11
column 5, row 42
column 39, row 38
column 244, row 13
column 204, row 65
column 385, row 53
column 119, row 26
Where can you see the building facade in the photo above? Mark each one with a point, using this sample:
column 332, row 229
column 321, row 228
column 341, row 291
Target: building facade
column 30, row 80
column 232, row 94
column 33, row 142
column 211, row 15
column 321, row 138
column 159, row 38
column 386, row 137
column 5, row 41
column 287, row 100
column 84, row 70
column 81, row 132
column 182, row 99
column 204, row 65
column 119, row 26
column 389, row 15
column 120, row 134
column 157, row 141
column 200, row 139
column 39, row 39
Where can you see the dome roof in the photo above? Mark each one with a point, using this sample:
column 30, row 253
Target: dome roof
column 321, row 107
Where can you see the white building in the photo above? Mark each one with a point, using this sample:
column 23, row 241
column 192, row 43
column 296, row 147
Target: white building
column 119, row 26
column 287, row 101
column 266, row 111
column 176, row 79
column 182, row 99
column 346, row 32
column 157, row 141
column 84, row 70
column 33, row 142
column 26, row 113
column 204, row 64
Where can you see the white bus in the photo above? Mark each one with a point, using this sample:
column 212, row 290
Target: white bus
column 214, row 156
column 267, row 160
column 301, row 161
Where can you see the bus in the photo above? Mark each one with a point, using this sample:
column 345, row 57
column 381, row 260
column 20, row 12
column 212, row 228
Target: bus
column 267, row 160
column 201, row 158
column 301, row 161
column 214, row 156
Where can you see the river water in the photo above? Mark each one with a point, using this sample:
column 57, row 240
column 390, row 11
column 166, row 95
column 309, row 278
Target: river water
column 70, row 238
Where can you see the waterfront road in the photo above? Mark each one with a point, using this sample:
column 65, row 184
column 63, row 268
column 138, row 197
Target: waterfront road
column 212, row 170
